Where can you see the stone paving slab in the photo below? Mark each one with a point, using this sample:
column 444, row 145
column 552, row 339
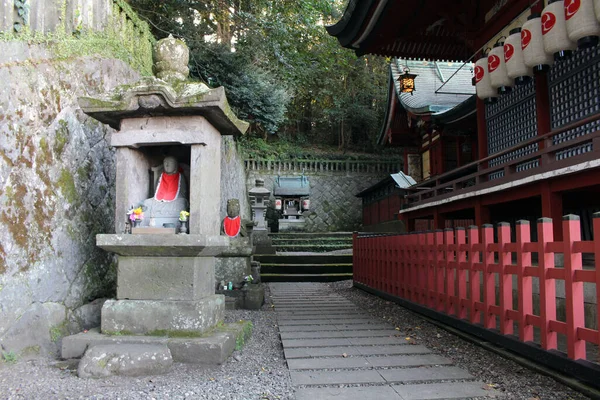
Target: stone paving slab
column 312, row 378
column 373, row 333
column 315, row 342
column 458, row 390
column 424, row 374
column 376, row 340
column 342, row 320
column 333, row 327
column 366, row 362
column 348, row 393
column 312, row 335
column 339, row 351
column 407, row 361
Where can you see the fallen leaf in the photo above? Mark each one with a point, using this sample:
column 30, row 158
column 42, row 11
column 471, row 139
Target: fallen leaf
column 397, row 328
column 407, row 338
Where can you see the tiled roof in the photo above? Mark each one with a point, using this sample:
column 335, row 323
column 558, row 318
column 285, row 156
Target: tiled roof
column 430, row 78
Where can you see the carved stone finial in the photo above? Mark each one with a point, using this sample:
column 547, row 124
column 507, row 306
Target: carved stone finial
column 171, row 57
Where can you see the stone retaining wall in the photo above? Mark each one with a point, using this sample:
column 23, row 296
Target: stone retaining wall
column 333, row 188
column 56, row 193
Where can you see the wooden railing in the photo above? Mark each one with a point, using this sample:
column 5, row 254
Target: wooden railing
column 314, row 166
column 479, row 175
column 455, row 273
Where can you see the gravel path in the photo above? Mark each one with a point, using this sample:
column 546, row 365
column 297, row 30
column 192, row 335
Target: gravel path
column 259, row 371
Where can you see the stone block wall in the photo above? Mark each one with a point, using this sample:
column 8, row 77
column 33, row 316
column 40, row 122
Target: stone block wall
column 333, row 202
column 56, row 193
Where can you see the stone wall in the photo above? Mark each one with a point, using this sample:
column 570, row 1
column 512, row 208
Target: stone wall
column 333, row 202
column 56, row 193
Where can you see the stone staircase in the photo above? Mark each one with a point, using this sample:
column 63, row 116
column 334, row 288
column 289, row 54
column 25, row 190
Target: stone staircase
column 305, row 257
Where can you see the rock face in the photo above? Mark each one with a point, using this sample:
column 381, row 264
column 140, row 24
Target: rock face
column 125, row 359
column 56, row 192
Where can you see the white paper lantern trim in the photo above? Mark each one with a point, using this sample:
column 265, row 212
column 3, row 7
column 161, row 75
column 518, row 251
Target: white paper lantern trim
column 554, row 31
column 532, row 45
column 513, row 58
column 497, row 68
column 483, row 86
column 582, row 25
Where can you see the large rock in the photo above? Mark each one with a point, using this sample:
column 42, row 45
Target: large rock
column 128, row 360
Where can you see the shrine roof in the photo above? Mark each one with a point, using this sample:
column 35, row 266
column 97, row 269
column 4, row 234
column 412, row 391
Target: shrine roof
column 423, row 29
column 440, row 86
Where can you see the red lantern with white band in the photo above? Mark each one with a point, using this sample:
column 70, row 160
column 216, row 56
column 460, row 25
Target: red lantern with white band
column 305, row 204
column 278, row 203
column 497, row 68
column 554, row 31
column 483, row 86
column 532, row 45
column 582, row 26
column 513, row 58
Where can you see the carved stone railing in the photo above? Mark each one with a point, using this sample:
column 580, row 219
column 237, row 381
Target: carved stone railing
column 324, row 166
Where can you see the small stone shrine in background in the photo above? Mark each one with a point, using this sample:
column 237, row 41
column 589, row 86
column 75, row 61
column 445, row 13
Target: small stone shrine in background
column 165, row 289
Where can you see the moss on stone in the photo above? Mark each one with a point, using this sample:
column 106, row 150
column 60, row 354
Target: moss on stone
column 61, row 137
column 58, row 331
column 66, row 184
column 244, row 335
column 30, row 351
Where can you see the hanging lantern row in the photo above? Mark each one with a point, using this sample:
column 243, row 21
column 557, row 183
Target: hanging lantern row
column 562, row 27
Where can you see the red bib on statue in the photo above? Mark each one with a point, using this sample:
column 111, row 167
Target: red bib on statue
column 168, row 187
column 232, row 226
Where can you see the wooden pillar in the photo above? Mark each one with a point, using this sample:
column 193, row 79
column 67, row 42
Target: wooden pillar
column 482, row 214
column 482, row 142
column 552, row 207
column 439, row 219
column 542, row 105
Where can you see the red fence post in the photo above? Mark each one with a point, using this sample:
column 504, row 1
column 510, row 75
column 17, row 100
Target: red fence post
column 489, row 285
column 547, row 286
column 597, row 267
column 461, row 272
column 422, row 263
column 431, row 259
column 524, row 283
column 439, row 270
column 473, row 236
column 573, row 289
column 450, row 260
column 355, row 258
column 504, row 259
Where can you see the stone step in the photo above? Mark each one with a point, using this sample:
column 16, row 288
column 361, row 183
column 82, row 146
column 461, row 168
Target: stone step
column 305, row 268
column 305, row 277
column 310, row 235
column 315, row 248
column 311, row 259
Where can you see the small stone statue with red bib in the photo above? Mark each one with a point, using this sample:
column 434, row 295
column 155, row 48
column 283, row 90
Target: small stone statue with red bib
column 170, row 197
column 233, row 226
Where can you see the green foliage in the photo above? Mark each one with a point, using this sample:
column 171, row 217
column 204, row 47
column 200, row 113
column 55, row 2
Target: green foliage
column 9, row 357
column 281, row 70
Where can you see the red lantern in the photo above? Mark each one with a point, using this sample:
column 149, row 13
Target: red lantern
column 554, row 31
column 582, row 25
column 305, row 204
column 532, row 45
column 278, row 204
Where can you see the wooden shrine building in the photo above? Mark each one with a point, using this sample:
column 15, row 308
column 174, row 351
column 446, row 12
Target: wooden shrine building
column 526, row 146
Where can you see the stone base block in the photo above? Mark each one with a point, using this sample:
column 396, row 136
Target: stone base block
column 128, row 360
column 152, row 317
column 255, row 297
column 165, row 278
column 213, row 348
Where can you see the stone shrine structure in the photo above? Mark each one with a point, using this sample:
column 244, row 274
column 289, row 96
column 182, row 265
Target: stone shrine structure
column 166, row 292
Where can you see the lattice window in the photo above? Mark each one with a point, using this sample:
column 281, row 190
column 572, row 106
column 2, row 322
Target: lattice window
column 510, row 121
column 574, row 95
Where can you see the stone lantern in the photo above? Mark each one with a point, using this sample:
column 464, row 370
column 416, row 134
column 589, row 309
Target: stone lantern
column 259, row 198
column 165, row 281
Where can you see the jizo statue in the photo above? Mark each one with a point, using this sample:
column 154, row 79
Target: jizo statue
column 233, row 225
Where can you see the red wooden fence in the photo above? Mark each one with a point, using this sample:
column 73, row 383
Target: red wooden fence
column 432, row 269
